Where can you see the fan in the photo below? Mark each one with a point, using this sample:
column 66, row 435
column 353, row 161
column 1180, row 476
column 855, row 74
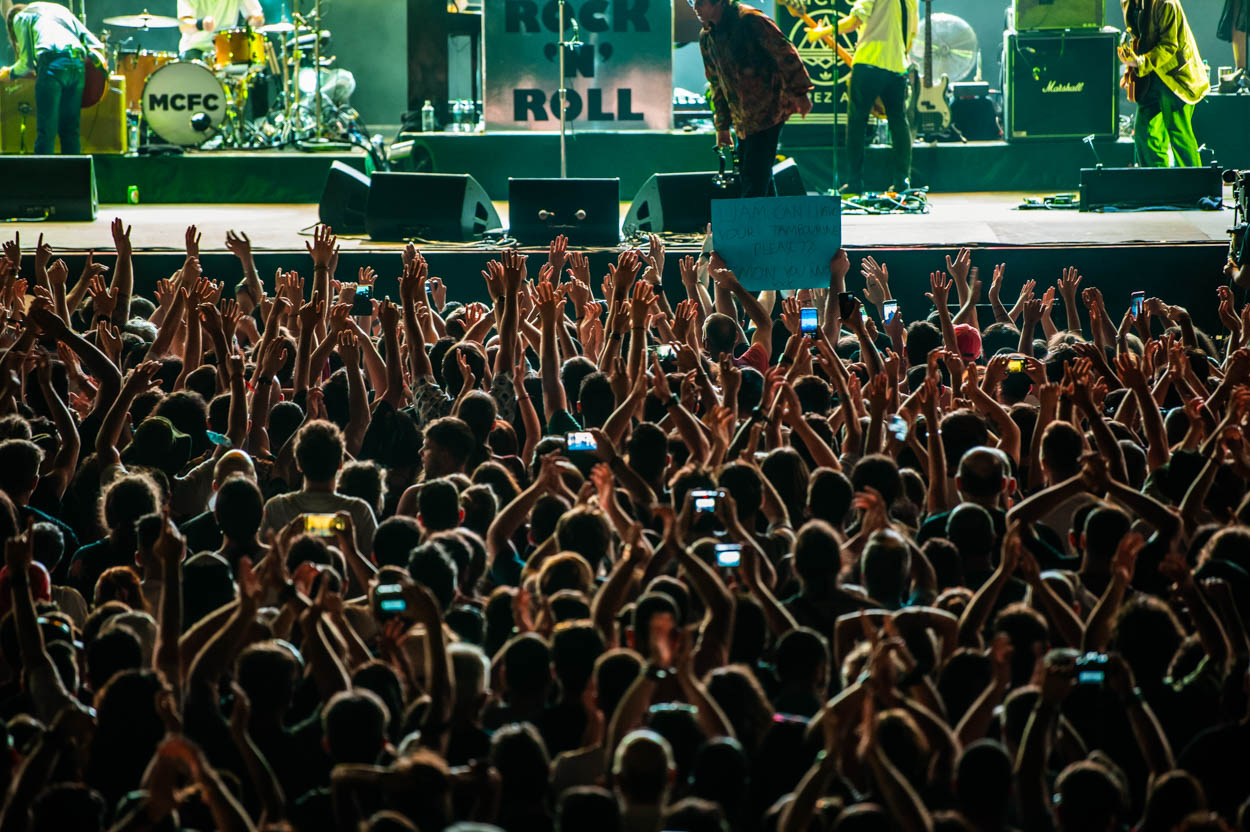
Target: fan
column 955, row 50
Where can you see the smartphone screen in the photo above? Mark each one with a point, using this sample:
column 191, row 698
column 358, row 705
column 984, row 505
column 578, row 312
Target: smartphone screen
column 322, row 525
column 889, row 309
column 844, row 304
column 807, row 320
column 704, row 501
column 1015, row 365
column 898, row 427
column 362, row 302
column 728, row 555
column 580, row 441
column 1137, row 300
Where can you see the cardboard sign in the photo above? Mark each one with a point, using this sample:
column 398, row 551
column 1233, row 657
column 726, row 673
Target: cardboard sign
column 778, row 242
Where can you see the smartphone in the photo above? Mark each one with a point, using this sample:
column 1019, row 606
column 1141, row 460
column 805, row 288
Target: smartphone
column 1091, row 669
column 728, row 555
column 807, row 320
column 889, row 309
column 704, row 500
column 662, row 351
column 1015, row 365
column 390, row 599
column 580, row 441
column 845, row 302
column 1136, row 301
column 218, row 438
column 898, row 428
column 362, row 304
column 863, row 314
column 323, row 525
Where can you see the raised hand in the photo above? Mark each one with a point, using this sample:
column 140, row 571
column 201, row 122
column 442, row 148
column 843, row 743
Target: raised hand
column 958, row 268
column 13, row 251
column 239, row 244
column 557, row 253
column 939, row 290
column 321, row 249
column 43, row 253
column 348, row 347
column 121, row 238
column 579, row 267
column 514, row 269
column 192, row 241
column 103, row 301
column 1068, row 283
column 644, row 294
column 57, row 273
column 546, row 299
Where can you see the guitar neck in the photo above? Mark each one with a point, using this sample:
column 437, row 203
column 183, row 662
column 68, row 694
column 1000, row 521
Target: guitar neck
column 928, row 43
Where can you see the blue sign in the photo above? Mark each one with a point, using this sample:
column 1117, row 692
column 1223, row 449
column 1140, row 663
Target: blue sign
column 778, row 242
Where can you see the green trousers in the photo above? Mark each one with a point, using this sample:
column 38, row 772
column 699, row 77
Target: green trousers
column 1164, row 121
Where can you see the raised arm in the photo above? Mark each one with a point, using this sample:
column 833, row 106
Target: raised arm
column 727, row 281
column 62, row 466
column 123, row 284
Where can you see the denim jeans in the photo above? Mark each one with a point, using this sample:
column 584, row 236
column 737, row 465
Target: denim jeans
column 868, row 83
column 58, row 103
column 757, row 153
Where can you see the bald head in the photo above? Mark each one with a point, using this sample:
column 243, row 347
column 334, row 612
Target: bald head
column 984, row 473
column 231, row 463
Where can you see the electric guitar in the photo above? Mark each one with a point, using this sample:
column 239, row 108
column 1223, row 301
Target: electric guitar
column 95, row 78
column 1131, row 82
column 827, row 34
column 931, row 114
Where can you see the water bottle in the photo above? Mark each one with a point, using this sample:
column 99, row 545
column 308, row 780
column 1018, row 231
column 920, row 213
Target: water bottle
column 427, row 117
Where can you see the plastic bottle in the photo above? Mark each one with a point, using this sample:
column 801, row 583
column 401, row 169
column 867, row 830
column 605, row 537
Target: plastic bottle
column 427, row 117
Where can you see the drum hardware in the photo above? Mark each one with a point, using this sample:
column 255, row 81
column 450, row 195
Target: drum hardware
column 142, row 21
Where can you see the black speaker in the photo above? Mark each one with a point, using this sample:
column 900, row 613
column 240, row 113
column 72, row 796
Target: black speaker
column 1125, row 188
column 1035, row 15
column 58, row 188
column 1061, row 86
column 587, row 211
column 428, row 206
column 788, row 180
column 344, row 199
column 677, row 202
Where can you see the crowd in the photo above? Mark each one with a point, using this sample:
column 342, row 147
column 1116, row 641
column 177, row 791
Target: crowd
column 285, row 557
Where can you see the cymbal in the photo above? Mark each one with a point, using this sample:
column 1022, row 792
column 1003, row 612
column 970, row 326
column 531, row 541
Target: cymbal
column 142, row 21
column 280, row 28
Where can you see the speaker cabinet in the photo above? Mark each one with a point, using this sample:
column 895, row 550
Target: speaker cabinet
column 450, row 207
column 103, row 127
column 57, row 188
column 344, row 199
column 1040, row 15
column 587, row 211
column 788, row 180
column 1127, row 188
column 1061, row 86
column 677, row 203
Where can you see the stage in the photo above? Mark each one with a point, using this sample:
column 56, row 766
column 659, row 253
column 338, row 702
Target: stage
column 1175, row 254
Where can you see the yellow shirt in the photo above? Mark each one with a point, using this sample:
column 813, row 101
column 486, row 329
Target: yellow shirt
column 881, row 43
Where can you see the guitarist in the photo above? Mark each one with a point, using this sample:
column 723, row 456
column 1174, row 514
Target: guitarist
column 54, row 46
column 886, row 29
column 1169, row 80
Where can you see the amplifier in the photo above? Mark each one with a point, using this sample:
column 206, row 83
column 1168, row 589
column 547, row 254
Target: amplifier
column 1039, row 15
column 103, row 127
column 1128, row 188
column 1062, row 85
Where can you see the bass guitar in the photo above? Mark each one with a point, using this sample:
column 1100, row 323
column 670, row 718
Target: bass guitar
column 95, row 78
column 931, row 114
column 1132, row 83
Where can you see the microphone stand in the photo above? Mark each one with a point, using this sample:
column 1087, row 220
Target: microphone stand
column 573, row 43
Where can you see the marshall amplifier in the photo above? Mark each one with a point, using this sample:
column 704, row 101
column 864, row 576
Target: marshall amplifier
column 1037, row 15
column 1061, row 85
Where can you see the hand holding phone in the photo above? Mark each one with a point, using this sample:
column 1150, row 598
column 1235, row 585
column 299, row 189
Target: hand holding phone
column 728, row 555
column 362, row 303
column 323, row 525
column 705, row 500
column 808, row 320
column 889, row 309
column 580, row 441
column 1136, row 301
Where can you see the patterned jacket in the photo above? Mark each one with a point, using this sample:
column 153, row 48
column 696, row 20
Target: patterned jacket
column 753, row 69
column 1168, row 48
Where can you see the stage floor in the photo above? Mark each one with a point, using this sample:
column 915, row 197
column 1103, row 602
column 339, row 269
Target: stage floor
column 980, row 219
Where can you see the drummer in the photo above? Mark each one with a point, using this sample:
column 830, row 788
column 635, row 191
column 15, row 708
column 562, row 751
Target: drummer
column 198, row 19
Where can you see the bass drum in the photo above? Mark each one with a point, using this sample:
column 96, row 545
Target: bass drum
column 184, row 103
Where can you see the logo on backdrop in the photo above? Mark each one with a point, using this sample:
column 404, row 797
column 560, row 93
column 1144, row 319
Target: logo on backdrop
column 620, row 78
column 1055, row 87
column 829, row 73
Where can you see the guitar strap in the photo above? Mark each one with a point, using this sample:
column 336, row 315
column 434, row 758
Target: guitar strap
column 904, row 19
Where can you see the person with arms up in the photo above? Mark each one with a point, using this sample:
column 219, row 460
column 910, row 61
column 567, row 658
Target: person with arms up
column 886, row 29
column 1171, row 80
column 758, row 81
column 199, row 20
column 53, row 45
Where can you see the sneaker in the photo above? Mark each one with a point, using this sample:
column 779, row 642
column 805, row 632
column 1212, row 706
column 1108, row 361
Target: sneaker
column 851, row 189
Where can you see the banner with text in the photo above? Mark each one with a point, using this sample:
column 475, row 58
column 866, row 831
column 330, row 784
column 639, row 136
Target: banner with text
column 620, row 78
column 778, row 242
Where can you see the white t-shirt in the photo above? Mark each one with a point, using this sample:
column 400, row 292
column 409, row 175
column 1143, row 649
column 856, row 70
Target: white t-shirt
column 225, row 15
column 282, row 509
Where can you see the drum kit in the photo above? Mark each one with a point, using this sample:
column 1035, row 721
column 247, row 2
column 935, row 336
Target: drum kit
column 213, row 101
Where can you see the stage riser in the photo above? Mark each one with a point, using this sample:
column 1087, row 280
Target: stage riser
column 1185, row 274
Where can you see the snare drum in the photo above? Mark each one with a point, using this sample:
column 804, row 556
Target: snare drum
column 238, row 46
column 138, row 67
column 184, row 103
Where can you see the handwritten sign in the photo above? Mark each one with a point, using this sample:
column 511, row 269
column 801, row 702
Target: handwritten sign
column 778, row 242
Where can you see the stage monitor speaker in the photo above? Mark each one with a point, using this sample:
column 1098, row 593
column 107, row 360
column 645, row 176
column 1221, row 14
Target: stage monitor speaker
column 1040, row 15
column 679, row 203
column 1130, row 188
column 1062, row 86
column 344, row 199
column 587, row 211
column 56, row 188
column 788, row 180
column 451, row 207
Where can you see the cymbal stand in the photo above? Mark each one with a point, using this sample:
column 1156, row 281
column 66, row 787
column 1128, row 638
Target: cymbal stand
column 320, row 134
